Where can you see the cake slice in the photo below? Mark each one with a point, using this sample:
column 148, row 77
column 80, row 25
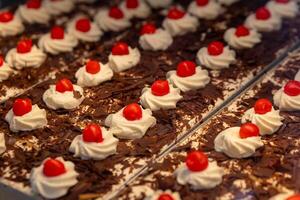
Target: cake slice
column 255, row 164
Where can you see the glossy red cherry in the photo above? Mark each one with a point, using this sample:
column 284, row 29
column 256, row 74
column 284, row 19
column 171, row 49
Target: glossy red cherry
column 64, row 85
column 215, row 48
column 92, row 133
column 34, row 4
column 175, row 13
column 262, row 13
column 202, row 2
column 53, row 167
column 83, row 25
column 24, row 46
column 160, row 88
column 242, row 31
column 1, row 61
column 186, row 68
column 133, row 112
column 92, row 67
column 148, row 28
column 249, row 130
column 196, row 161
column 22, row 106
column 294, row 197
column 292, row 88
column 120, row 49
column 165, row 196
column 262, row 106
column 132, row 4
column 116, row 13
column 57, row 32
column 282, row 1
column 6, row 16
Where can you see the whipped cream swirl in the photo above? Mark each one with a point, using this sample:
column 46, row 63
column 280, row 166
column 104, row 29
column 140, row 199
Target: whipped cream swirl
column 178, row 27
column 156, row 195
column 119, row 63
column 11, row 28
column 126, row 129
column 5, row 71
column 242, row 42
column 198, row 80
column 218, row 62
column 285, row 102
column 35, row 58
column 2, row 143
column 159, row 3
column 271, row 24
column 94, row 150
column 287, row 10
column 206, row 179
column 160, row 40
column 35, row 119
column 56, row 46
column 267, row 123
column 58, row 7
column 31, row 16
column 53, row 187
column 86, row 79
column 210, row 11
column 230, row 143
column 227, row 2
column 168, row 101
column 67, row 100
column 142, row 11
column 107, row 23
column 93, row 35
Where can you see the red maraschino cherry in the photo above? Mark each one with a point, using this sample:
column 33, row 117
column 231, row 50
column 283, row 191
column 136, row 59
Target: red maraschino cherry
column 262, row 106
column 202, row 2
column 1, row 61
column 165, row 196
column 294, row 197
column 22, row 106
column 215, row 48
column 64, row 85
column 120, row 49
column 160, row 88
column 57, row 32
column 186, row 68
column 116, row 13
column 196, row 161
column 242, row 31
column 83, row 25
column 132, row 4
column 33, row 4
column 249, row 130
column 6, row 16
column 282, row 1
column 148, row 28
column 92, row 67
column 53, row 167
column 292, row 88
column 175, row 13
column 262, row 13
column 92, row 133
column 133, row 112
column 24, row 46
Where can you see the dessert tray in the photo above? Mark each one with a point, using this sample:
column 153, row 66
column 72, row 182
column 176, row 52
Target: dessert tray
column 147, row 99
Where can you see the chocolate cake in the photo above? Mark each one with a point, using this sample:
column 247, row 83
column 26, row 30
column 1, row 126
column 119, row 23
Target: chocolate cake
column 67, row 117
column 271, row 169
